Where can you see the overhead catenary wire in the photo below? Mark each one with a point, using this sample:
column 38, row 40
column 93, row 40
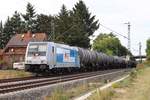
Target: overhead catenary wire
column 113, row 31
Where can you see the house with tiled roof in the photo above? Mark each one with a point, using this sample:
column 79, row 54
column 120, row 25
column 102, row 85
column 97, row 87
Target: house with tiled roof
column 16, row 47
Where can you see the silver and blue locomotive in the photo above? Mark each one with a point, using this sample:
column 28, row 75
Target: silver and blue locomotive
column 49, row 56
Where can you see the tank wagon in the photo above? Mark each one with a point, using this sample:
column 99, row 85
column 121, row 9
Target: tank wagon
column 49, row 56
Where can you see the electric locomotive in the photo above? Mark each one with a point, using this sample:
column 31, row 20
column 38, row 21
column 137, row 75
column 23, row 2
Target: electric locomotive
column 46, row 56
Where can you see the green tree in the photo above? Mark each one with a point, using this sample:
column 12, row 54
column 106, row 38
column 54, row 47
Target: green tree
column 17, row 23
column 12, row 26
column 7, row 31
column 63, row 23
column 30, row 18
column 84, row 25
column 44, row 24
column 1, row 35
column 1, row 27
column 148, row 49
column 109, row 44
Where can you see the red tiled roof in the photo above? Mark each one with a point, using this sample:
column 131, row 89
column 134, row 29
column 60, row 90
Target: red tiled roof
column 21, row 41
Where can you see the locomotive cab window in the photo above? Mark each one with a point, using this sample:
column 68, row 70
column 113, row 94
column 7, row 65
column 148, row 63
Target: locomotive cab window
column 37, row 49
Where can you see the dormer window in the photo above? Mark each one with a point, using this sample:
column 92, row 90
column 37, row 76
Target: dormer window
column 22, row 36
column 33, row 36
column 12, row 50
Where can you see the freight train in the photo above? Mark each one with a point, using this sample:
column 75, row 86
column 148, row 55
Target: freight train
column 42, row 57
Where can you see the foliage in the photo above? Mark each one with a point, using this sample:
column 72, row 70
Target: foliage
column 84, row 25
column 1, row 35
column 109, row 44
column 30, row 18
column 102, row 95
column 8, row 31
column 148, row 49
column 58, row 95
column 44, row 24
column 74, row 27
column 17, row 23
column 12, row 26
column 63, row 23
column 2, row 62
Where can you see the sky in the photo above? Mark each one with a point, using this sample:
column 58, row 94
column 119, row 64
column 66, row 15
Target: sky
column 110, row 13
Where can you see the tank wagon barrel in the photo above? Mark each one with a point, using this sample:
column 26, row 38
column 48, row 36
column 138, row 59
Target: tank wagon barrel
column 97, row 59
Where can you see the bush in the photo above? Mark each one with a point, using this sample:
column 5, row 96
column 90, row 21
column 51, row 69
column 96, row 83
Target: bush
column 133, row 74
column 148, row 49
column 2, row 64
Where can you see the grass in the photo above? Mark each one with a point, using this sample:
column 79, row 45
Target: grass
column 102, row 95
column 135, row 87
column 67, row 94
column 5, row 74
column 58, row 95
column 138, row 87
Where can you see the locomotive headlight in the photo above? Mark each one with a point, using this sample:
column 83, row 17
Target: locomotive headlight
column 43, row 61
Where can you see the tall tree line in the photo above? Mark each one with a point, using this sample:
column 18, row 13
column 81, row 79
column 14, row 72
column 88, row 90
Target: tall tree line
column 71, row 27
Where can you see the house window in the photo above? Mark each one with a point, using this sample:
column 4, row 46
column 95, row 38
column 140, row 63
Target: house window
column 12, row 50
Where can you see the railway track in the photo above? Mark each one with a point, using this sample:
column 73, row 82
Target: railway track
column 27, row 78
column 16, row 85
column 16, row 79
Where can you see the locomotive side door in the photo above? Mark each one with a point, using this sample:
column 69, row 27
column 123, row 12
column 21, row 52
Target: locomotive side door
column 53, row 56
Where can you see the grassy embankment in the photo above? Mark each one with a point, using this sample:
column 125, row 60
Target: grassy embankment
column 62, row 93
column 135, row 87
column 5, row 74
column 66, row 94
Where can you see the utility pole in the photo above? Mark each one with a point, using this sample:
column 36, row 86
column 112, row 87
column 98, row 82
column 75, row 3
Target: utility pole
column 140, row 46
column 129, row 41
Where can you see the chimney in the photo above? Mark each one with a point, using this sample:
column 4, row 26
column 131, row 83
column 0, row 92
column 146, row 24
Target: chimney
column 29, row 34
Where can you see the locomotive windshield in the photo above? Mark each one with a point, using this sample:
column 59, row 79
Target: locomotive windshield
column 37, row 49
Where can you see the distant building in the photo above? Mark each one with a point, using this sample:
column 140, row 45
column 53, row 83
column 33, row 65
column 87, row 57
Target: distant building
column 16, row 47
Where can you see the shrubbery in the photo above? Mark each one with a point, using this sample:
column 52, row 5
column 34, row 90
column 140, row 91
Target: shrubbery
column 148, row 49
column 2, row 63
